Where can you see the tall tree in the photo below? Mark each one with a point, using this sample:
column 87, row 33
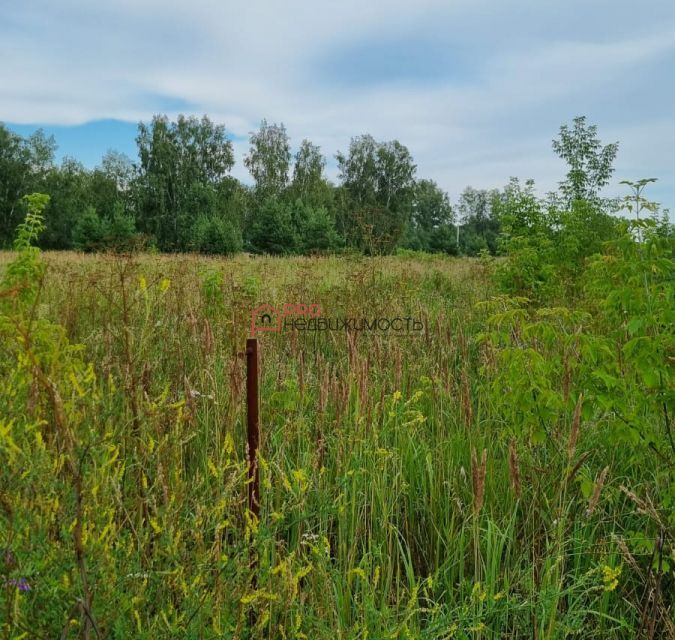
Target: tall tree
column 69, row 192
column 396, row 177
column 430, row 228
column 181, row 165
column 583, row 219
column 118, row 167
column 41, row 152
column 590, row 163
column 269, row 159
column 111, row 185
column 359, row 170
column 519, row 211
column 24, row 165
column 13, row 173
column 309, row 183
column 480, row 223
column 309, row 166
column 378, row 181
column 431, row 206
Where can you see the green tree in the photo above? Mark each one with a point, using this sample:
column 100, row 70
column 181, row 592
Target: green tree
column 526, row 238
column 590, row 163
column 215, row 235
column 93, row 232
column 122, row 235
column 13, row 173
column 308, row 170
column 480, row 224
column 359, row 170
column 69, row 189
column 309, row 183
column 378, row 182
column 582, row 221
column 24, row 165
column 269, row 159
column 272, row 229
column 636, row 205
column 118, row 168
column 314, row 228
column 519, row 211
column 234, row 201
column 181, row 165
column 90, row 231
column 112, row 184
column 430, row 227
column 431, row 206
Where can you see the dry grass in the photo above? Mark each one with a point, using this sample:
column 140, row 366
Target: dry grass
column 128, row 510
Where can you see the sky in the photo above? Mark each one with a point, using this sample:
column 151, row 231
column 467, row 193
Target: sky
column 475, row 89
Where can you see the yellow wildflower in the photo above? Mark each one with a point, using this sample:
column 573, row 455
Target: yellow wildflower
column 610, row 577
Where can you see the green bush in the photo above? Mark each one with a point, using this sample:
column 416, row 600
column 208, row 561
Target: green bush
column 91, row 231
column 215, row 235
column 316, row 229
column 272, row 229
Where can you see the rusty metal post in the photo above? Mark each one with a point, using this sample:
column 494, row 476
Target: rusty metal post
column 253, row 441
column 253, row 425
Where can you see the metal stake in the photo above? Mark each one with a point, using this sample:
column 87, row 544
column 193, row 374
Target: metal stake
column 253, row 425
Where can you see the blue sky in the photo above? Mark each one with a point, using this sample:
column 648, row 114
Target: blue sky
column 475, row 89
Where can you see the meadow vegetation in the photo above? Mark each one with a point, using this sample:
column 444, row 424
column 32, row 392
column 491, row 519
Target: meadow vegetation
column 507, row 473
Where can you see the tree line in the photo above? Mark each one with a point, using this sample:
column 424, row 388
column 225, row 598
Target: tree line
column 180, row 195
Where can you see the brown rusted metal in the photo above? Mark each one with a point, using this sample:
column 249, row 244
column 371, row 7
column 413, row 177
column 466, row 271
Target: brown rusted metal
column 253, row 425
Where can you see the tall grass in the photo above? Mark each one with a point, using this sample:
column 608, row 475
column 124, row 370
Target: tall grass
column 446, row 485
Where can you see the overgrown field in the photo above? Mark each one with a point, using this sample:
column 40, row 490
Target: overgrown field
column 506, row 473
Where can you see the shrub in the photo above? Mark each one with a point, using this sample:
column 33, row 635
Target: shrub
column 91, row 231
column 121, row 230
column 215, row 235
column 316, row 229
column 272, row 229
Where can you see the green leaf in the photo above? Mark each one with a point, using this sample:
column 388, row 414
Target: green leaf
column 634, row 326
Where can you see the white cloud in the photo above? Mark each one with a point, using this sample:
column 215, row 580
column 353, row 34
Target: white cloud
column 533, row 66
